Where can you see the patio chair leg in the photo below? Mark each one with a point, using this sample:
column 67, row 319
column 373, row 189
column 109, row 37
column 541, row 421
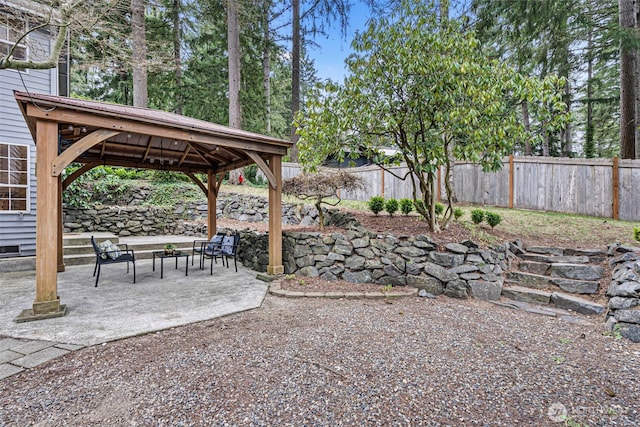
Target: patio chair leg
column 95, row 268
column 212, row 258
column 97, row 278
column 134, row 271
column 235, row 263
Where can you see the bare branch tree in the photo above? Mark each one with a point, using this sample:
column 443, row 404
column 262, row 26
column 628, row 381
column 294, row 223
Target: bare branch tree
column 322, row 186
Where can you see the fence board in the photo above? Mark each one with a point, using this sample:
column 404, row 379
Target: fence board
column 629, row 190
column 581, row 186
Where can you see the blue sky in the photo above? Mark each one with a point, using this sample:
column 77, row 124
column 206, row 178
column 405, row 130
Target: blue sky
column 329, row 57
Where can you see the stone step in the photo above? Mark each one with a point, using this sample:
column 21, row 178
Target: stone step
column 519, row 293
column 594, row 255
column 539, row 281
column 84, row 239
column 545, row 250
column 88, row 249
column 577, row 271
column 577, row 304
column 551, row 259
column 147, row 253
column 534, row 267
column 557, row 299
column 529, row 280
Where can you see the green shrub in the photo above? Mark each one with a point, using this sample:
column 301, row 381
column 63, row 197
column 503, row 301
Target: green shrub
column 376, row 204
column 406, row 206
column 477, row 216
column 457, row 213
column 419, row 204
column 391, row 206
column 493, row 218
column 167, row 177
column 636, row 233
column 252, row 176
column 439, row 208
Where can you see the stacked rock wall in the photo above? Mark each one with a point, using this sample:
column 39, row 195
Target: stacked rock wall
column 624, row 292
column 188, row 218
column 359, row 256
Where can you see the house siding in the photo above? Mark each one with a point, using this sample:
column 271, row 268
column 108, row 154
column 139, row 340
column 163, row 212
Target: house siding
column 19, row 229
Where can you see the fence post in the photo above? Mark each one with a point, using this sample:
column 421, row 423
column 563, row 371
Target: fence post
column 615, row 178
column 511, row 181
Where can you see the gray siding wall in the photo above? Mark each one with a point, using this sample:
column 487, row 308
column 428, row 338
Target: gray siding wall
column 20, row 229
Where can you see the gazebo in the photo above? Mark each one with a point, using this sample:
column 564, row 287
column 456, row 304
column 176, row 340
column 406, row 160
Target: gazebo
column 91, row 133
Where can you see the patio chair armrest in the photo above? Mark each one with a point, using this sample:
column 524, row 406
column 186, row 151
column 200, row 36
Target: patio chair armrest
column 201, row 243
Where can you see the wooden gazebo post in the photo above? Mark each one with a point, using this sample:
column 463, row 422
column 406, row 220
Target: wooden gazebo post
column 212, row 205
column 47, row 303
column 275, row 217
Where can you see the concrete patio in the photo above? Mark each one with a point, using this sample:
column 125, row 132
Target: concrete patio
column 118, row 308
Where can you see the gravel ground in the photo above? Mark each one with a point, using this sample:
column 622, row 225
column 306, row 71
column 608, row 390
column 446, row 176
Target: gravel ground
column 315, row 362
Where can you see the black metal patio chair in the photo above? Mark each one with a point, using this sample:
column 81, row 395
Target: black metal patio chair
column 123, row 254
column 199, row 247
column 228, row 249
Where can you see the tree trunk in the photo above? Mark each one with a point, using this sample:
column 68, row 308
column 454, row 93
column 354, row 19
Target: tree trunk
column 233, row 47
column 177, row 59
column 266, row 67
column 444, row 11
column 589, row 144
column 295, row 75
column 637, row 77
column 567, row 138
column 139, row 44
column 627, row 83
column 526, row 121
column 545, row 144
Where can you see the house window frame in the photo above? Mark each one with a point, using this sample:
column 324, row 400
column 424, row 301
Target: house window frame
column 7, row 28
column 26, row 187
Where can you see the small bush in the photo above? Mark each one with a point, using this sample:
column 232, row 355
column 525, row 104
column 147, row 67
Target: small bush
column 636, row 233
column 493, row 218
column 406, row 206
column 439, row 208
column 391, row 206
column 457, row 213
column 376, row 204
column 477, row 216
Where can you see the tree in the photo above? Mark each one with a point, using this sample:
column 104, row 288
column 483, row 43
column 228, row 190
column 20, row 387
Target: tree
column 139, row 49
column 535, row 37
column 319, row 15
column 320, row 187
column 233, row 48
column 627, row 80
column 427, row 90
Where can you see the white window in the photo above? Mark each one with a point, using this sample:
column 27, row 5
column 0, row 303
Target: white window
column 14, row 178
column 11, row 30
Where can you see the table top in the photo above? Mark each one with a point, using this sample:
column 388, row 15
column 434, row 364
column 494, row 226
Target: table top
column 175, row 254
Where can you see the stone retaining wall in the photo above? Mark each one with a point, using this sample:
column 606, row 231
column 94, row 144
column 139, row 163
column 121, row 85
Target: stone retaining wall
column 189, row 218
column 624, row 292
column 359, row 256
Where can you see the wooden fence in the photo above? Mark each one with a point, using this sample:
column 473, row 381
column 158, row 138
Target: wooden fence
column 608, row 188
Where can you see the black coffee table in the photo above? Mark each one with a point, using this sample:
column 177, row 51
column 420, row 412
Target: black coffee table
column 176, row 254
